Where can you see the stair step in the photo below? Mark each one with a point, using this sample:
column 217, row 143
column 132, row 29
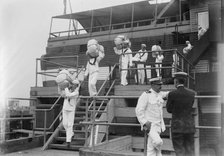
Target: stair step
column 64, row 138
column 45, row 106
column 75, row 131
column 80, row 112
column 64, row 147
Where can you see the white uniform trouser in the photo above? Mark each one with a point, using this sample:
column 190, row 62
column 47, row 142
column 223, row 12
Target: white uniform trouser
column 158, row 70
column 68, row 122
column 154, row 141
column 124, row 65
column 141, row 74
column 92, row 83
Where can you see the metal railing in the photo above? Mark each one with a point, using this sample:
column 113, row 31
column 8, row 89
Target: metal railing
column 45, row 128
column 130, row 24
column 55, row 65
column 18, row 112
column 177, row 63
column 93, row 123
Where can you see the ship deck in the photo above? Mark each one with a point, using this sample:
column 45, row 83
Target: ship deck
column 39, row 151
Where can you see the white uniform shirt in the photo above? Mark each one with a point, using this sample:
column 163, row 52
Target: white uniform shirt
column 93, row 64
column 70, row 99
column 126, row 58
column 150, row 107
column 142, row 57
column 159, row 58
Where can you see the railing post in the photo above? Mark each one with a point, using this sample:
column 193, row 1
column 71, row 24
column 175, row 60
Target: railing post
column 146, row 76
column 86, row 119
column 136, row 66
column 36, row 71
column 182, row 64
column 93, row 127
column 197, row 133
column 34, row 120
column 45, row 125
column 107, row 126
column 188, row 72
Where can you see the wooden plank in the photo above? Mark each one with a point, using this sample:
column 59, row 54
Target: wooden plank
column 118, row 144
column 125, row 112
column 138, row 143
column 137, row 90
column 130, row 112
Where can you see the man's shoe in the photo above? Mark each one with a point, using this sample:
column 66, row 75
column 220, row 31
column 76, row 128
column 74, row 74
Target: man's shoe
column 68, row 144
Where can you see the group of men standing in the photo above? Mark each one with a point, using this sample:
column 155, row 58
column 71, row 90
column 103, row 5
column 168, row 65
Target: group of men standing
column 179, row 102
column 149, row 109
column 127, row 61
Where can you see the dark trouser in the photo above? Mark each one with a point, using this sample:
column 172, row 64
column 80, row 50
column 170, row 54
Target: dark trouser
column 183, row 144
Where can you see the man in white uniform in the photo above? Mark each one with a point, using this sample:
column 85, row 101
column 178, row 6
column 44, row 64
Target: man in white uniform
column 92, row 69
column 124, row 61
column 155, row 51
column 141, row 58
column 159, row 61
column 70, row 95
column 149, row 111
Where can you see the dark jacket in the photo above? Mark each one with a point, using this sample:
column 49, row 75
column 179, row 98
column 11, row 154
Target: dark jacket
column 180, row 103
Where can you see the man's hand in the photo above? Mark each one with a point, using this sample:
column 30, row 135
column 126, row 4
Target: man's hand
column 147, row 126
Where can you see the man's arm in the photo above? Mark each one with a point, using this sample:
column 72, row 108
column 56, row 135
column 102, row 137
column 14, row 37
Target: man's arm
column 144, row 57
column 140, row 110
column 130, row 57
column 71, row 94
column 101, row 54
column 169, row 105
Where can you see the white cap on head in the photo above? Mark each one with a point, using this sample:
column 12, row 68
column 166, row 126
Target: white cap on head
column 156, row 80
column 143, row 45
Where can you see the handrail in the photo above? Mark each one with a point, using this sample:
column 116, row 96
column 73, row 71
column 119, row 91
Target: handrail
column 98, row 110
column 49, row 109
column 43, row 59
column 138, row 125
column 111, row 72
column 59, row 64
column 134, row 97
column 51, row 126
column 175, row 67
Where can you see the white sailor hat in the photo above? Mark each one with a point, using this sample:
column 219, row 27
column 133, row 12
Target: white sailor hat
column 156, row 80
column 143, row 45
column 76, row 81
column 180, row 75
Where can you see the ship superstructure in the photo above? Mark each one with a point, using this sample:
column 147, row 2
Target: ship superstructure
column 108, row 123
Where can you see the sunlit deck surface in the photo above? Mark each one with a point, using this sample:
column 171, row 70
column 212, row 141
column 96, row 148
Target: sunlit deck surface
column 38, row 152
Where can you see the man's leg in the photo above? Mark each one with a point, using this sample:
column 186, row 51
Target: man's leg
column 70, row 133
column 64, row 119
column 92, row 83
column 151, row 151
column 142, row 76
column 124, row 77
column 178, row 144
column 189, row 144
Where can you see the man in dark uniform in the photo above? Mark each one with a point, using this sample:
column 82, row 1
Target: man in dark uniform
column 180, row 104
